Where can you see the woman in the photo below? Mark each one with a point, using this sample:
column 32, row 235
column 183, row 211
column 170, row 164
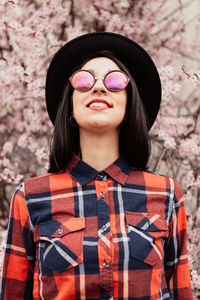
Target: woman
column 99, row 225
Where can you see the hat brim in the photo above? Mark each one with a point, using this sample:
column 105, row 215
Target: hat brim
column 132, row 55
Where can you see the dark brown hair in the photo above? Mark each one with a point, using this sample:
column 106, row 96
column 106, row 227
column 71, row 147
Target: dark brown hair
column 134, row 142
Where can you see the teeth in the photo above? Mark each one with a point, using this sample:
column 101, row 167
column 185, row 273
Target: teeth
column 98, row 104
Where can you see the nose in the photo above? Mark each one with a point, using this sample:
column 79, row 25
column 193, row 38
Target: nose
column 99, row 87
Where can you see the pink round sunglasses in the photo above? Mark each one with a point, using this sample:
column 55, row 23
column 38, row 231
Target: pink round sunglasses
column 84, row 80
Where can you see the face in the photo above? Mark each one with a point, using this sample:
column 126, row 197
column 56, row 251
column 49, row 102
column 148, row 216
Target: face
column 94, row 117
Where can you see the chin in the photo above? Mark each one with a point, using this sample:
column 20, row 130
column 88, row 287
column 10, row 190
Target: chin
column 99, row 127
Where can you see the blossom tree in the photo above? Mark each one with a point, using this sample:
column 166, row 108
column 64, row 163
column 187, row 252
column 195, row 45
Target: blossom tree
column 30, row 34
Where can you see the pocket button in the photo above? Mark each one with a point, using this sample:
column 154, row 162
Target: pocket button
column 60, row 231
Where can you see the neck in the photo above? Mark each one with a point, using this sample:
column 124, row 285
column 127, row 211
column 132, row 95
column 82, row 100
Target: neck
column 99, row 151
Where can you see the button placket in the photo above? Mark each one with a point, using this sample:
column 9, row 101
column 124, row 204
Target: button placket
column 104, row 241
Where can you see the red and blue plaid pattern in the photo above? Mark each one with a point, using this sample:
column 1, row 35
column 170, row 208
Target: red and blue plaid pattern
column 84, row 234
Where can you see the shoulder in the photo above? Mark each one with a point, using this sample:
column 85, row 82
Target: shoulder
column 154, row 179
column 44, row 183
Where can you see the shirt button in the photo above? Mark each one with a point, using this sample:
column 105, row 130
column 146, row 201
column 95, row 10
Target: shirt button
column 106, row 265
column 100, row 176
column 102, row 195
column 60, row 231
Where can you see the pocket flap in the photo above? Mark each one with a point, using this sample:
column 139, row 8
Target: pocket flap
column 59, row 228
column 146, row 221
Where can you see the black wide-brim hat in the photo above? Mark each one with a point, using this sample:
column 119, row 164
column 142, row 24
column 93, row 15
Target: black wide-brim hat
column 132, row 55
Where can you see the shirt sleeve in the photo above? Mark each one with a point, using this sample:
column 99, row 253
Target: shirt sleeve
column 18, row 263
column 177, row 270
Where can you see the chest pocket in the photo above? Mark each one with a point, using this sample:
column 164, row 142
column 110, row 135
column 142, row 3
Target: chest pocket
column 146, row 231
column 60, row 243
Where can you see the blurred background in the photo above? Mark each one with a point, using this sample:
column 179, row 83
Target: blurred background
column 30, row 34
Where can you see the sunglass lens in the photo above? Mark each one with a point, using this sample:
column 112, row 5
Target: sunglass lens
column 82, row 80
column 116, row 81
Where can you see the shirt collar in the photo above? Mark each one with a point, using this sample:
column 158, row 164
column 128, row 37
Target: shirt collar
column 83, row 173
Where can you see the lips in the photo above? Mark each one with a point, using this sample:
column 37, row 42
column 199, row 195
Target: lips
column 99, row 101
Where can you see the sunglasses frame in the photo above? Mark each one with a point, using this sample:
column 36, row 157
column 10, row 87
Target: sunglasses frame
column 99, row 77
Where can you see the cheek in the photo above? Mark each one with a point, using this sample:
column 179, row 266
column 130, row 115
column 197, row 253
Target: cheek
column 74, row 97
column 77, row 104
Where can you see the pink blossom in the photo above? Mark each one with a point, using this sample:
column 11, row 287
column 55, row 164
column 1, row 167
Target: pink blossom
column 194, row 235
column 198, row 215
column 2, row 128
column 189, row 147
column 195, row 279
column 20, row 126
column 42, row 154
column 7, row 148
column 191, row 180
column 23, row 140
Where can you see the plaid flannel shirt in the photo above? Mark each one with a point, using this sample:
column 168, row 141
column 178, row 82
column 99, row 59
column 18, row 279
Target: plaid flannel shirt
column 83, row 234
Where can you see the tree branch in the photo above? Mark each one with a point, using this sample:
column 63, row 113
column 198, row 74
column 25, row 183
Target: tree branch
column 160, row 158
